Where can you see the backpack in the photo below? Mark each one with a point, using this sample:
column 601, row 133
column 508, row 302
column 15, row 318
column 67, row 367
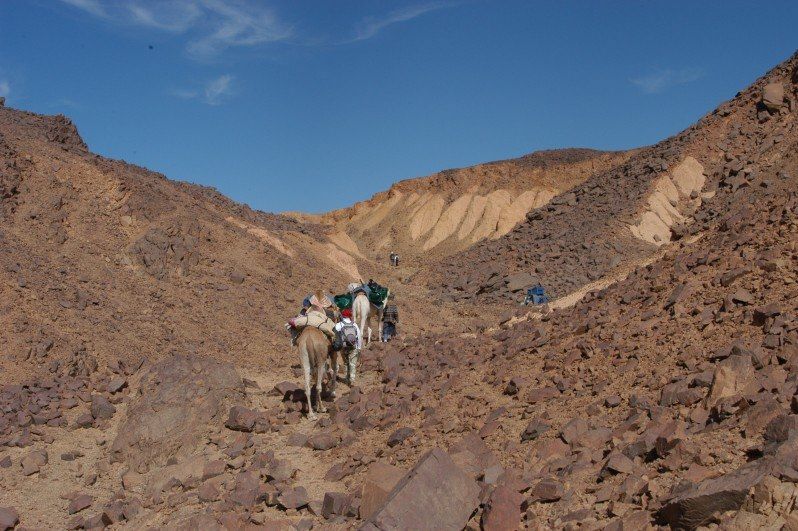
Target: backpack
column 348, row 335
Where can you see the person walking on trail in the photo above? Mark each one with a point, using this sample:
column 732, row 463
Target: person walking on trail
column 390, row 317
column 342, row 328
column 349, row 341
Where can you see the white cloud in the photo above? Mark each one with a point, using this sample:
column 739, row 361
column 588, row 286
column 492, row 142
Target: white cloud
column 217, row 89
column 173, row 17
column 91, row 6
column 371, row 26
column 238, row 25
column 661, row 80
column 211, row 26
column 5, row 88
column 212, row 92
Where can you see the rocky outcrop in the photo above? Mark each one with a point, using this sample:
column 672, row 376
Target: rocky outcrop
column 436, row 490
column 180, row 399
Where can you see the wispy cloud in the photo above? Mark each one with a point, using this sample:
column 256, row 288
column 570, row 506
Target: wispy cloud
column 371, row 26
column 661, row 80
column 213, row 92
column 91, row 6
column 5, row 88
column 211, row 26
column 173, row 17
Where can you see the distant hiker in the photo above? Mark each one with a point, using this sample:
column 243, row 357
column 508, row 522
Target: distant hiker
column 390, row 317
column 393, row 259
column 396, row 260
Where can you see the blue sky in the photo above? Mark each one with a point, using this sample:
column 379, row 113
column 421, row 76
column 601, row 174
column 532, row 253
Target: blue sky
column 300, row 105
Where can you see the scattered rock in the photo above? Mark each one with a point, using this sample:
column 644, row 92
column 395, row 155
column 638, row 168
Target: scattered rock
column 773, row 96
column 399, row 436
column 380, row 480
column 503, row 510
column 182, row 398
column 241, row 419
column 293, row 498
column 335, row 504
column 322, row 441
column 436, row 490
column 79, row 503
column 9, row 518
column 101, row 408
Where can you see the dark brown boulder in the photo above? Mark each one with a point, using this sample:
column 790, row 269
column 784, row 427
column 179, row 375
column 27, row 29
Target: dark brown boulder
column 322, row 441
column 379, row 482
column 293, row 498
column 335, row 504
column 116, row 385
column 503, row 510
column 399, row 436
column 79, row 503
column 101, row 408
column 547, row 490
column 84, row 420
column 33, row 462
column 700, row 504
column 573, row 430
column 781, row 428
column 534, row 429
column 8, row 518
column 241, row 418
column 181, row 398
column 436, row 490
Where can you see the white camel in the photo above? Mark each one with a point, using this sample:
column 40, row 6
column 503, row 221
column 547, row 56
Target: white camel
column 362, row 311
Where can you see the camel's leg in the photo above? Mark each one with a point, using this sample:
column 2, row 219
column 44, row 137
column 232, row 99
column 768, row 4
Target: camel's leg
column 333, row 374
column 305, row 358
column 379, row 319
column 320, row 370
column 364, row 328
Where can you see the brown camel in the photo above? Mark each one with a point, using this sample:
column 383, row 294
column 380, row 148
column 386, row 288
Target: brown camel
column 314, row 351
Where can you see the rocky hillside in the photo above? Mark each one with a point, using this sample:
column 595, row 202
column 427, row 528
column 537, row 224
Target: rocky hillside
column 661, row 391
column 628, row 212
column 426, row 218
column 104, row 259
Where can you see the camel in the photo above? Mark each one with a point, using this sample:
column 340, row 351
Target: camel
column 314, row 351
column 362, row 312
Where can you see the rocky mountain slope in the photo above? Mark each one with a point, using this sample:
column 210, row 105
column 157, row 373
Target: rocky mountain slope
column 625, row 213
column 659, row 391
column 107, row 259
column 429, row 217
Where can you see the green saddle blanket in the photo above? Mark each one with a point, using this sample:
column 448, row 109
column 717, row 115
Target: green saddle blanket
column 376, row 297
column 343, row 301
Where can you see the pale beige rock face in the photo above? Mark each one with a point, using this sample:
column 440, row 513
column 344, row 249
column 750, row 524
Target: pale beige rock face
column 671, row 197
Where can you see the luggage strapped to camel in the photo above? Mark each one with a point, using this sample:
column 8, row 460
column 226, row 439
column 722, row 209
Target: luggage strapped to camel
column 315, row 319
column 376, row 294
